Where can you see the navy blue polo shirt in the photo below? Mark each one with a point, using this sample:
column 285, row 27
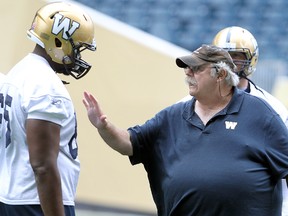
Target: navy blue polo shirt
column 231, row 166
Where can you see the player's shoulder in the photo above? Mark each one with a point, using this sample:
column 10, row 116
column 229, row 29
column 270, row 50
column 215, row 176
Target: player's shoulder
column 269, row 98
column 275, row 103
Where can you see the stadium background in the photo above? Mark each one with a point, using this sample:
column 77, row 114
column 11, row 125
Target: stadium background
column 134, row 74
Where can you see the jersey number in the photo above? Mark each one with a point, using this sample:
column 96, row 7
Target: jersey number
column 5, row 103
column 73, row 147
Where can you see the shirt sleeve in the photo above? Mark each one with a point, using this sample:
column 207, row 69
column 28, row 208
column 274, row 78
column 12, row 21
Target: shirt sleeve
column 49, row 108
column 277, row 147
column 143, row 138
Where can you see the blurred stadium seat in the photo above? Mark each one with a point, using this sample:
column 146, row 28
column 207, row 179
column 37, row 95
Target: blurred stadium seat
column 190, row 23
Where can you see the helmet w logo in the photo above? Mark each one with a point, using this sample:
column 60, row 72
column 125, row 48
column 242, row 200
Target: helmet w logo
column 230, row 125
column 65, row 25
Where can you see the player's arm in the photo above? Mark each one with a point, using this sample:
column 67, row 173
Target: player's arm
column 43, row 139
column 118, row 139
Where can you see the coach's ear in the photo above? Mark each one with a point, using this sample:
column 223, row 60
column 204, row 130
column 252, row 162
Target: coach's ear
column 221, row 74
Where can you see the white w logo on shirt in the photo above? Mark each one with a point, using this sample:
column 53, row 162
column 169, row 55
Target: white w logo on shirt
column 66, row 25
column 230, row 125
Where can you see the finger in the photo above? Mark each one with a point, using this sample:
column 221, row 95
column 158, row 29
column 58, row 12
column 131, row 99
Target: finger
column 103, row 118
column 90, row 100
column 85, row 100
column 86, row 96
column 93, row 100
column 85, row 103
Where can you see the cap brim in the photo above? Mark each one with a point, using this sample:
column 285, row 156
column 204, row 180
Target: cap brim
column 190, row 60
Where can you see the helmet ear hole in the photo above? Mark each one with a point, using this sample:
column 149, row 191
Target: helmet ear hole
column 64, row 30
column 58, row 43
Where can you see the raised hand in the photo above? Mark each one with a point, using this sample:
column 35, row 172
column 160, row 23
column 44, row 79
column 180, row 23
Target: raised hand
column 118, row 139
column 94, row 112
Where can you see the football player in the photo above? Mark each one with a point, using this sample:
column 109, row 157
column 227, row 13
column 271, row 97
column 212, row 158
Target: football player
column 39, row 164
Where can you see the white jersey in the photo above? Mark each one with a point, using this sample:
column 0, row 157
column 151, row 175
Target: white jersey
column 273, row 102
column 32, row 90
column 283, row 113
column 1, row 77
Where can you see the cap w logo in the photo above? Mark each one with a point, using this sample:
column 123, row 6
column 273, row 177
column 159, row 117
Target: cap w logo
column 65, row 25
column 230, row 125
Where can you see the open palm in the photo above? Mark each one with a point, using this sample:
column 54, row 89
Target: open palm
column 94, row 112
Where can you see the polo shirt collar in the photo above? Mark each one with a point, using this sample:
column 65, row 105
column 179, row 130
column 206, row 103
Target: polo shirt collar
column 233, row 106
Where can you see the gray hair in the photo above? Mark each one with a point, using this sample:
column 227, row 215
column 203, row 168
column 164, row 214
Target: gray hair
column 231, row 79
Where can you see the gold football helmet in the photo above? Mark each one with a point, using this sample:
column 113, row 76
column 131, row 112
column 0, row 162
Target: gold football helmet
column 64, row 31
column 237, row 39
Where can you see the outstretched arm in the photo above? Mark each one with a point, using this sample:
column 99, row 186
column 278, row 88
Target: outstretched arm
column 118, row 139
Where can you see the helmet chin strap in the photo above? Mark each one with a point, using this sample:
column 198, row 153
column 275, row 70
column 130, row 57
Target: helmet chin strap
column 65, row 82
column 242, row 75
column 66, row 72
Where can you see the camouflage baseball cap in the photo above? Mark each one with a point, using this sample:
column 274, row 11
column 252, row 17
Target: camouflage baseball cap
column 205, row 54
